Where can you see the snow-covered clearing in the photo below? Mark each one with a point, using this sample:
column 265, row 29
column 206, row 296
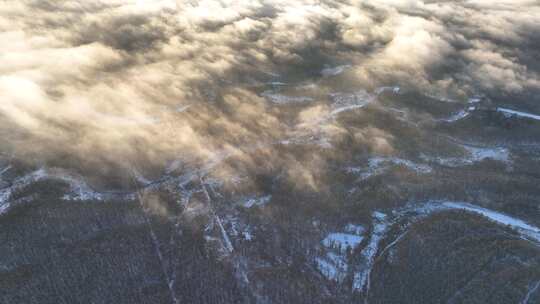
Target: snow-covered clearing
column 334, row 264
column 342, row 241
column 355, row 229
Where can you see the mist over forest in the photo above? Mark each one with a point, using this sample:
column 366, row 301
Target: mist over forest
column 269, row 151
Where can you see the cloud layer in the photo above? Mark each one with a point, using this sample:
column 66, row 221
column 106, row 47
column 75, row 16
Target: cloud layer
column 118, row 81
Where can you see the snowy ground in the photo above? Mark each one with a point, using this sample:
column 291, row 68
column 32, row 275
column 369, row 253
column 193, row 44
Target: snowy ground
column 281, row 99
column 473, row 154
column 334, row 264
column 79, row 190
column 510, row 113
column 256, row 201
column 382, row 223
column 342, row 241
column 459, row 115
column 379, row 165
column 528, row 231
column 333, row 71
column 342, row 102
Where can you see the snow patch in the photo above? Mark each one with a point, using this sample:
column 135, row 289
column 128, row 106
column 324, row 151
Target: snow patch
column 330, row 269
column 530, row 292
column 247, row 235
column 355, row 229
column 4, row 170
column 526, row 230
column 183, row 108
column 79, row 190
column 276, row 83
column 173, row 166
column 382, row 222
column 327, row 72
column 440, row 98
column 378, row 165
column 509, row 113
column 257, row 201
column 380, row 227
column 281, row 99
column 458, row 116
column 342, row 102
column 478, row 154
column 141, row 179
column 341, row 241
column 394, row 90
column 19, row 183
column 497, row 217
column 333, row 265
column 474, row 154
column 473, row 100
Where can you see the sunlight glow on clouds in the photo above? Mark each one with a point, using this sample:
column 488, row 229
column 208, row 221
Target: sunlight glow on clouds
column 98, row 79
